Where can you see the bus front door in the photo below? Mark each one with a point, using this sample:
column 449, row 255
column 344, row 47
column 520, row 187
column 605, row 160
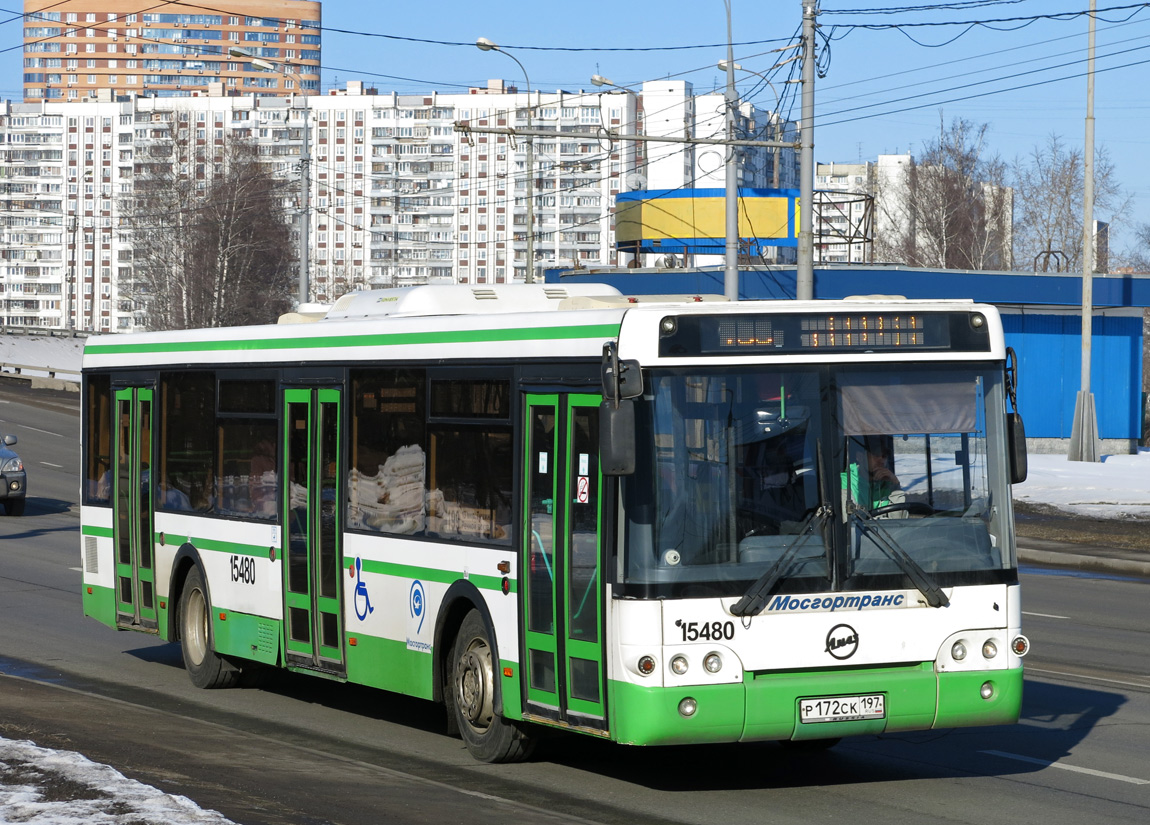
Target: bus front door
column 132, row 493
column 313, row 465
column 563, row 599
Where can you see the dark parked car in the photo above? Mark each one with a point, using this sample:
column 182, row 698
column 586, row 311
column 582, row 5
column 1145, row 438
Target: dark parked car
column 13, row 481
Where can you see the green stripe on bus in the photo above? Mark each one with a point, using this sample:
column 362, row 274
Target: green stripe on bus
column 408, row 571
column 373, row 340
column 214, row 544
column 93, row 530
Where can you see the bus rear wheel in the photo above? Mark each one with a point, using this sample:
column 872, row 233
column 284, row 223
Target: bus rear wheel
column 488, row 736
column 204, row 666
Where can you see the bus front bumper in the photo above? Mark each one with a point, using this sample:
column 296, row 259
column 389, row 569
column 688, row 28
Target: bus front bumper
column 765, row 706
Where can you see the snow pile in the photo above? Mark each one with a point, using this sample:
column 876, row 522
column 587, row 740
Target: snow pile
column 39, row 786
column 1117, row 487
column 60, row 353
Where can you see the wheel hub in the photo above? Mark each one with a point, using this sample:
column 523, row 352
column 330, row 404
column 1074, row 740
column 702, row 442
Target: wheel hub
column 475, row 687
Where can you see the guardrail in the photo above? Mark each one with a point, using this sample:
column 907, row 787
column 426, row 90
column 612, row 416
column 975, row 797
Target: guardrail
column 18, row 370
column 51, row 332
column 42, row 375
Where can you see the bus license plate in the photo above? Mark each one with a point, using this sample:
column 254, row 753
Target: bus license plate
column 842, row 708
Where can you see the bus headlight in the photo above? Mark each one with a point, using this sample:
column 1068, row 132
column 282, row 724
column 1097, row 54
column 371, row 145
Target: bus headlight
column 989, row 649
column 646, row 665
column 958, row 651
column 679, row 665
column 687, row 707
column 1020, row 645
column 713, row 663
column 987, row 690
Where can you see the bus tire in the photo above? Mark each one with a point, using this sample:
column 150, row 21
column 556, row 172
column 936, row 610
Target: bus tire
column 205, row 668
column 488, row 736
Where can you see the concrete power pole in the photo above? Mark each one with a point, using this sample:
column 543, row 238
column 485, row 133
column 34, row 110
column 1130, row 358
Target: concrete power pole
column 805, row 267
column 1084, row 444
column 731, row 201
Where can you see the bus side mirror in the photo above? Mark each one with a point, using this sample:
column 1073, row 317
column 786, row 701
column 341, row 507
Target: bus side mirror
column 1016, row 444
column 617, row 438
column 621, row 379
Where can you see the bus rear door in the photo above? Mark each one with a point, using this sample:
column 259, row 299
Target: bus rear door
column 563, row 599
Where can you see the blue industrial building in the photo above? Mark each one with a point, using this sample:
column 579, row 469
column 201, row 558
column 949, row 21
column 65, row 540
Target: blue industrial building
column 1041, row 318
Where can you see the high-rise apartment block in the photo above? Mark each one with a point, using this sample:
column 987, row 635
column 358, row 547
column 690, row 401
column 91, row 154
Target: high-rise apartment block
column 106, row 49
column 398, row 195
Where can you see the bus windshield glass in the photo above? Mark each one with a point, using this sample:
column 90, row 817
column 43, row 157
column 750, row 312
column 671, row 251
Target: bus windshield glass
column 827, row 477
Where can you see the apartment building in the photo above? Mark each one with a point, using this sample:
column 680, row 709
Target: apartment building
column 398, row 195
column 85, row 49
column 62, row 169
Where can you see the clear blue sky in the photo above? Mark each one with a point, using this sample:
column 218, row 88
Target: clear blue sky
column 630, row 41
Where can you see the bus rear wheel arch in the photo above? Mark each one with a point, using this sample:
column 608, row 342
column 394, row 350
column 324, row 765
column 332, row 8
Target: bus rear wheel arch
column 488, row 736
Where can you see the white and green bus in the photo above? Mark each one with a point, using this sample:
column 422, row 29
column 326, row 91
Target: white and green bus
column 657, row 521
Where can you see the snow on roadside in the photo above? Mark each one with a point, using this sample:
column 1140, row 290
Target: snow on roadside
column 40, row 786
column 1116, row 487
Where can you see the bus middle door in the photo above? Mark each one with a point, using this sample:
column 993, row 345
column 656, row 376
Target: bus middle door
column 313, row 624
column 563, row 600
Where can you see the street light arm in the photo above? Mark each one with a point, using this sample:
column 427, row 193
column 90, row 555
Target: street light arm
column 529, row 275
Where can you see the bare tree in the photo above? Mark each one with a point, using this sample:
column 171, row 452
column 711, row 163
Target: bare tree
column 1135, row 259
column 211, row 245
column 950, row 208
column 1049, row 185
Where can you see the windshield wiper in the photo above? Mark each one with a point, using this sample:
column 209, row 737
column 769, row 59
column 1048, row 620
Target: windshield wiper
column 885, row 542
column 756, row 597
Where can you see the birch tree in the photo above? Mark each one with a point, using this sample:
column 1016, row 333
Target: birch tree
column 210, row 243
column 950, row 207
column 1049, row 186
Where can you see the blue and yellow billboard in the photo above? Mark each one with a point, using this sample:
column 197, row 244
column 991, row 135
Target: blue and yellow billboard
column 694, row 220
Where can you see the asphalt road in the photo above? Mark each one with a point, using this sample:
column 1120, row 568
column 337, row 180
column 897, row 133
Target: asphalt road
column 301, row 750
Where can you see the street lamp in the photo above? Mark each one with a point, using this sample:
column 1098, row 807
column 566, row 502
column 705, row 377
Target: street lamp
column 304, row 164
column 599, row 81
column 483, row 44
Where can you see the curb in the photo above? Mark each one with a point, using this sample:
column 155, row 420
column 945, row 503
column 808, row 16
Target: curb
column 1092, row 564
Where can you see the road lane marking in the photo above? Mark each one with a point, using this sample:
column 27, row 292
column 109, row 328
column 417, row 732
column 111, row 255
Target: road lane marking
column 1084, row 676
column 37, row 430
column 1044, row 615
column 50, row 464
column 1048, row 764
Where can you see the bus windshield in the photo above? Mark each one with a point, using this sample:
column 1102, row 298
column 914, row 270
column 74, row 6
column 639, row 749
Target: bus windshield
column 828, row 477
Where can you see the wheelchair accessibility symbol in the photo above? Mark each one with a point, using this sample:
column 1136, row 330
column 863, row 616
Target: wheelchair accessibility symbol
column 416, row 601
column 362, row 600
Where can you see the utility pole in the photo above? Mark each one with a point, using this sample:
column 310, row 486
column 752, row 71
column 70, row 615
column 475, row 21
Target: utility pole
column 805, row 267
column 1084, row 432
column 731, row 201
column 305, row 204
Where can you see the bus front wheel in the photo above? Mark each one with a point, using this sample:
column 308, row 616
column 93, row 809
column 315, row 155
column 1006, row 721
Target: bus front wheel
column 488, row 736
column 206, row 669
